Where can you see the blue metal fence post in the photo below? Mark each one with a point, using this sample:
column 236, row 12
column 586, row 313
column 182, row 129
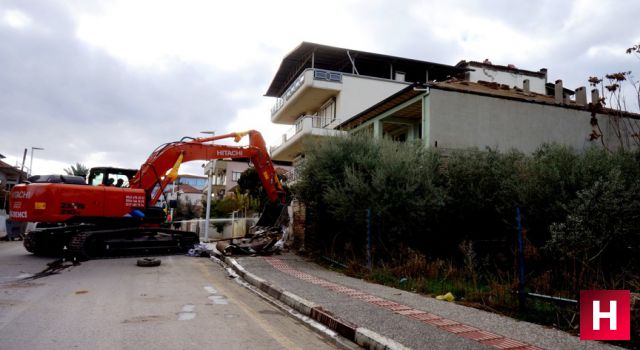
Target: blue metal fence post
column 521, row 294
column 369, row 264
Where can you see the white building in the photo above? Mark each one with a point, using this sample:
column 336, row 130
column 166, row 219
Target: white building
column 318, row 87
column 325, row 91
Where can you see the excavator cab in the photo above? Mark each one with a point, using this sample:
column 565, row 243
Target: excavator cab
column 108, row 176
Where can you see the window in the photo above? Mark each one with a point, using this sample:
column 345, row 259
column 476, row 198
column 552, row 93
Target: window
column 118, row 180
column 196, row 182
column 327, row 113
column 235, row 176
column 97, row 180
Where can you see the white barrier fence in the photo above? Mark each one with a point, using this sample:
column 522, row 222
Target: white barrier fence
column 230, row 227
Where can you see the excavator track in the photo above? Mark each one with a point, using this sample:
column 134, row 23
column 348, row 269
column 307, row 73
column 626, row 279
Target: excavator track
column 91, row 242
column 129, row 242
column 47, row 242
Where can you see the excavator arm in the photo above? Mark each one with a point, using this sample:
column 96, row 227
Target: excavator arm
column 153, row 173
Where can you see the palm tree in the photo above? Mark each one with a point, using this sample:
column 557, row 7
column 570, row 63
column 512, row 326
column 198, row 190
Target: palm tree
column 78, row 170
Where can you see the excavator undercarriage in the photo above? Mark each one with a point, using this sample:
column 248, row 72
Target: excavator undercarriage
column 85, row 242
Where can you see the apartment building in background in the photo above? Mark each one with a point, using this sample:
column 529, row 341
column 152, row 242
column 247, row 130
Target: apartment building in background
column 196, row 181
column 227, row 173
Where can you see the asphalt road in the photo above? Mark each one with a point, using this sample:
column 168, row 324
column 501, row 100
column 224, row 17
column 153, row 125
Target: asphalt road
column 185, row 303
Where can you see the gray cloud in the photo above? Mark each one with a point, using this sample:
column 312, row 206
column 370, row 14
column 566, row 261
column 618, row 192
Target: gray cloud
column 59, row 93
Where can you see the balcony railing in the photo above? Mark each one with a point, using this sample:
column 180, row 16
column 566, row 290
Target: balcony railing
column 318, row 74
column 287, row 94
column 292, row 175
column 306, row 122
column 321, row 74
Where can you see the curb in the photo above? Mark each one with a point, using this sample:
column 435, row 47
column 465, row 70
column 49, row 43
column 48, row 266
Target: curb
column 359, row 335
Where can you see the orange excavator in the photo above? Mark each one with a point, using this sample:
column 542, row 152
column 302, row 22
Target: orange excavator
column 115, row 211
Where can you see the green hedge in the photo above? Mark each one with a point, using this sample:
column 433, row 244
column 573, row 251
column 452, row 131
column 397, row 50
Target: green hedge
column 581, row 210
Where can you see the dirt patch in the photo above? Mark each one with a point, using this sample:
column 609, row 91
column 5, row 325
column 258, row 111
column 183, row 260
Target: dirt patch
column 152, row 298
column 53, row 268
column 20, row 284
column 270, row 312
column 4, row 303
column 144, row 319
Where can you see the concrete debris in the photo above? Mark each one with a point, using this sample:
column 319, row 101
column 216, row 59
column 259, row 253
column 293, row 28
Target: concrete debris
column 264, row 241
column 201, row 250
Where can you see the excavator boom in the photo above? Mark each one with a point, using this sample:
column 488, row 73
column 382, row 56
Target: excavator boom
column 171, row 155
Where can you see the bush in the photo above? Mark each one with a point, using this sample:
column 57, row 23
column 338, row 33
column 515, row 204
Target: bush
column 344, row 178
column 601, row 235
column 482, row 192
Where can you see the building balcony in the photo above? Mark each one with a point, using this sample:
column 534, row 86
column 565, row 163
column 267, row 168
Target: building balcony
column 305, row 129
column 292, row 176
column 307, row 93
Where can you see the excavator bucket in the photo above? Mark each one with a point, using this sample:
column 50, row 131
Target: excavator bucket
column 266, row 237
column 273, row 215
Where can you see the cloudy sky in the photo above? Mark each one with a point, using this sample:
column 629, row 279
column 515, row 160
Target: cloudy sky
column 104, row 82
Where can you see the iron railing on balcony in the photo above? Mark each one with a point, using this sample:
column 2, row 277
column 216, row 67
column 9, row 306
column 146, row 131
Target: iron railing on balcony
column 318, row 74
column 321, row 74
column 292, row 175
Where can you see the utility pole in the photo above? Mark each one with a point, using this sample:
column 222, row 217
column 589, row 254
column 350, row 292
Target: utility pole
column 24, row 158
column 210, row 168
column 31, row 162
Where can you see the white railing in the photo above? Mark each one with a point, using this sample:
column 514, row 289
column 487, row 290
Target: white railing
column 306, row 122
column 312, row 121
column 277, row 106
column 290, row 132
column 287, row 94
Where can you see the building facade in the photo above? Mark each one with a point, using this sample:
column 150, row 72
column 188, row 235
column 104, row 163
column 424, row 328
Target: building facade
column 461, row 114
column 323, row 91
column 196, row 181
column 227, row 173
column 318, row 87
